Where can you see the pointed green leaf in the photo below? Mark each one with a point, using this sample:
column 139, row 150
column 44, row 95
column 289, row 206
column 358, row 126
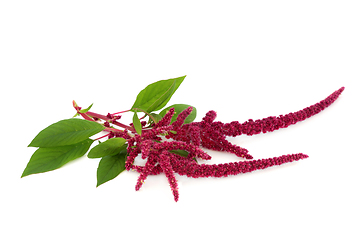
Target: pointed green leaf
column 156, row 95
column 111, row 166
column 182, row 153
column 48, row 159
column 86, row 109
column 154, row 118
column 66, row 132
column 137, row 123
column 178, row 109
column 110, row 147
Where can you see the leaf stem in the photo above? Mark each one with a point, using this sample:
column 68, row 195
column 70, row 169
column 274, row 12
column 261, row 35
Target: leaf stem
column 102, row 137
column 85, row 116
column 121, row 112
column 109, row 129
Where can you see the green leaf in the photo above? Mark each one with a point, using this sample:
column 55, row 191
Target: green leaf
column 86, row 109
column 156, row 95
column 110, row 147
column 48, row 159
column 178, row 109
column 66, row 132
column 182, row 153
column 137, row 123
column 155, row 117
column 111, row 166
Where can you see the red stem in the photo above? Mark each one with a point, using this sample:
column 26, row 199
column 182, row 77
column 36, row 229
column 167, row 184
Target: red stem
column 96, row 115
column 121, row 112
column 102, row 137
column 108, row 129
column 86, row 116
column 107, row 119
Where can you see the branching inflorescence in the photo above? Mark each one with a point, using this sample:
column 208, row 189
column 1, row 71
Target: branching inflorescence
column 170, row 142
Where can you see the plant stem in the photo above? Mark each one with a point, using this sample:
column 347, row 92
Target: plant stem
column 120, row 112
column 102, row 137
column 86, row 116
column 107, row 119
column 109, row 129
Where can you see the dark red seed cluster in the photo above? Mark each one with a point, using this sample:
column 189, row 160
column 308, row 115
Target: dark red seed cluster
column 164, row 156
column 270, row 124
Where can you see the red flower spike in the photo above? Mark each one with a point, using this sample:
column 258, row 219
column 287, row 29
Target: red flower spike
column 166, row 120
column 209, row 117
column 164, row 161
column 270, row 124
column 146, row 170
column 192, row 169
column 145, row 148
column 195, row 135
column 157, row 131
column 131, row 157
column 181, row 117
column 155, row 171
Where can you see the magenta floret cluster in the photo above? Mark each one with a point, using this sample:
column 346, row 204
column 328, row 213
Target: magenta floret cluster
column 270, row 124
column 174, row 147
column 163, row 155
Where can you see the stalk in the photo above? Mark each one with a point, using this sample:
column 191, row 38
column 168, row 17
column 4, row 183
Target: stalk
column 105, row 118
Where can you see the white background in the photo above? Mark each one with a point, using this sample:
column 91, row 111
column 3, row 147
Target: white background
column 244, row 59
